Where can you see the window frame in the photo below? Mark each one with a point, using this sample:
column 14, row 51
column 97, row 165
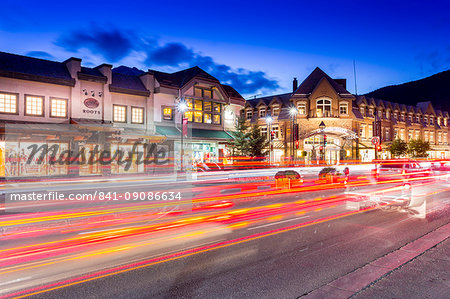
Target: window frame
column 143, row 115
column 323, row 105
column 42, row 105
column 171, row 113
column 341, row 105
column 51, row 108
column 114, row 114
column 17, row 102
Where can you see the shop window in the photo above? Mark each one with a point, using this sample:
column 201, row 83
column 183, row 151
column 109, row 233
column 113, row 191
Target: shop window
column 58, row 107
column 120, row 113
column 137, row 115
column 8, row 103
column 34, row 105
column 198, row 105
column 217, row 108
column 207, row 106
column 198, row 116
column 217, row 119
column 190, row 104
column 167, row 113
column 189, row 115
column 343, row 108
column 207, row 118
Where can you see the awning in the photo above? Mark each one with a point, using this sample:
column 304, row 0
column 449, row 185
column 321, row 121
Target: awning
column 210, row 134
column 134, row 134
column 168, row 131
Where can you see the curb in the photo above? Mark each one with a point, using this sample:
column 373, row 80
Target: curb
column 358, row 280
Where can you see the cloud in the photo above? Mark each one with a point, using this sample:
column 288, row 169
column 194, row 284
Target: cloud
column 40, row 54
column 434, row 61
column 114, row 45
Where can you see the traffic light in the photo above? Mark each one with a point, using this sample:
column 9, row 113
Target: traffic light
column 296, row 144
column 272, row 134
column 379, row 148
column 321, row 148
column 324, row 140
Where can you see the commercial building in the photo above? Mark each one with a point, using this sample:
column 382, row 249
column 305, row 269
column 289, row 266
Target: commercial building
column 117, row 110
column 325, row 111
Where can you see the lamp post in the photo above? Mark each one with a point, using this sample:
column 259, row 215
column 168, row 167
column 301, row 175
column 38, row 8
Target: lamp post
column 293, row 113
column 269, row 121
column 182, row 107
column 322, row 128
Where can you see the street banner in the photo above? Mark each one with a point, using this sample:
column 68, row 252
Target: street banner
column 185, row 130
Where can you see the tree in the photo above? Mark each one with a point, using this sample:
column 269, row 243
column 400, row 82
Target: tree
column 398, row 148
column 418, row 148
column 257, row 143
column 239, row 145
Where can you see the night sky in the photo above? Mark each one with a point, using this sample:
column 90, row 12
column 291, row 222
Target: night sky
column 258, row 47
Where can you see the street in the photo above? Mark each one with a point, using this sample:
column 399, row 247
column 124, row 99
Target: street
column 254, row 240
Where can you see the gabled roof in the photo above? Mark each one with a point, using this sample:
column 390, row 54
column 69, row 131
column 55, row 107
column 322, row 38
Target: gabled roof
column 361, row 100
column 35, row 69
column 128, row 84
column 425, row 105
column 284, row 99
column 231, row 92
column 180, row 78
column 357, row 113
column 310, row 83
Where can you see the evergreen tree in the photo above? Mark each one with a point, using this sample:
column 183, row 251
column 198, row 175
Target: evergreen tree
column 257, row 143
column 398, row 148
column 418, row 148
column 239, row 145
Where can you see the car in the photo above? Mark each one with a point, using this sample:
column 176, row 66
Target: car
column 400, row 169
column 291, row 176
column 333, row 175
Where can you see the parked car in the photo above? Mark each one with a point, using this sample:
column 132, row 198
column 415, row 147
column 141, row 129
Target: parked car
column 333, row 175
column 292, row 176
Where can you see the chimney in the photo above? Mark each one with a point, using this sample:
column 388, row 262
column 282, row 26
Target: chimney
column 73, row 66
column 294, row 85
column 342, row 82
column 106, row 70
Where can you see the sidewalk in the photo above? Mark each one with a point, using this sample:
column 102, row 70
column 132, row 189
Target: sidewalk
column 419, row 269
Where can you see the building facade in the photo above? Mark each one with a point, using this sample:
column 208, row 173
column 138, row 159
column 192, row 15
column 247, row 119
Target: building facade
column 119, row 110
column 326, row 113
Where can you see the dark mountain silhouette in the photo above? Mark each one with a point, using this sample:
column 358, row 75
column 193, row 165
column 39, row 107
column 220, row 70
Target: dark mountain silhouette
column 435, row 88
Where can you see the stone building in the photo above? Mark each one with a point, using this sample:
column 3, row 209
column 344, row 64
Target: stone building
column 324, row 110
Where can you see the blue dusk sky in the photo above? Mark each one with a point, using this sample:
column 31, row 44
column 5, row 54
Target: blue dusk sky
column 256, row 46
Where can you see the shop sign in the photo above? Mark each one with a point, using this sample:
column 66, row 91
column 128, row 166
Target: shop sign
column 91, row 104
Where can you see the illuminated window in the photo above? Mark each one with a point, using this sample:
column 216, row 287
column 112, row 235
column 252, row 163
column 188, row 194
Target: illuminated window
column 207, row 106
column 343, row 108
column 362, row 110
column 275, row 111
column 207, row 118
column 8, row 103
column 58, row 108
column 137, row 115
column 217, row 107
column 198, row 105
column 189, row 104
column 370, row 131
column 120, row 113
column 362, row 131
column 323, row 108
column 167, row 113
column 262, row 112
column 275, row 131
column 34, row 105
column 301, row 107
column 198, row 116
column 387, row 134
column 188, row 115
column 264, row 131
column 217, row 119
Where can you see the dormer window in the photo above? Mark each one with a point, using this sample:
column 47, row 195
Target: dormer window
column 370, row 112
column 387, row 114
column 301, row 107
column 431, row 120
column 249, row 114
column 343, row 108
column 275, row 111
column 323, row 108
column 262, row 112
column 362, row 110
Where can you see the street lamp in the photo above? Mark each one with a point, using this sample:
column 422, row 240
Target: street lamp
column 293, row 113
column 322, row 128
column 182, row 107
column 269, row 121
